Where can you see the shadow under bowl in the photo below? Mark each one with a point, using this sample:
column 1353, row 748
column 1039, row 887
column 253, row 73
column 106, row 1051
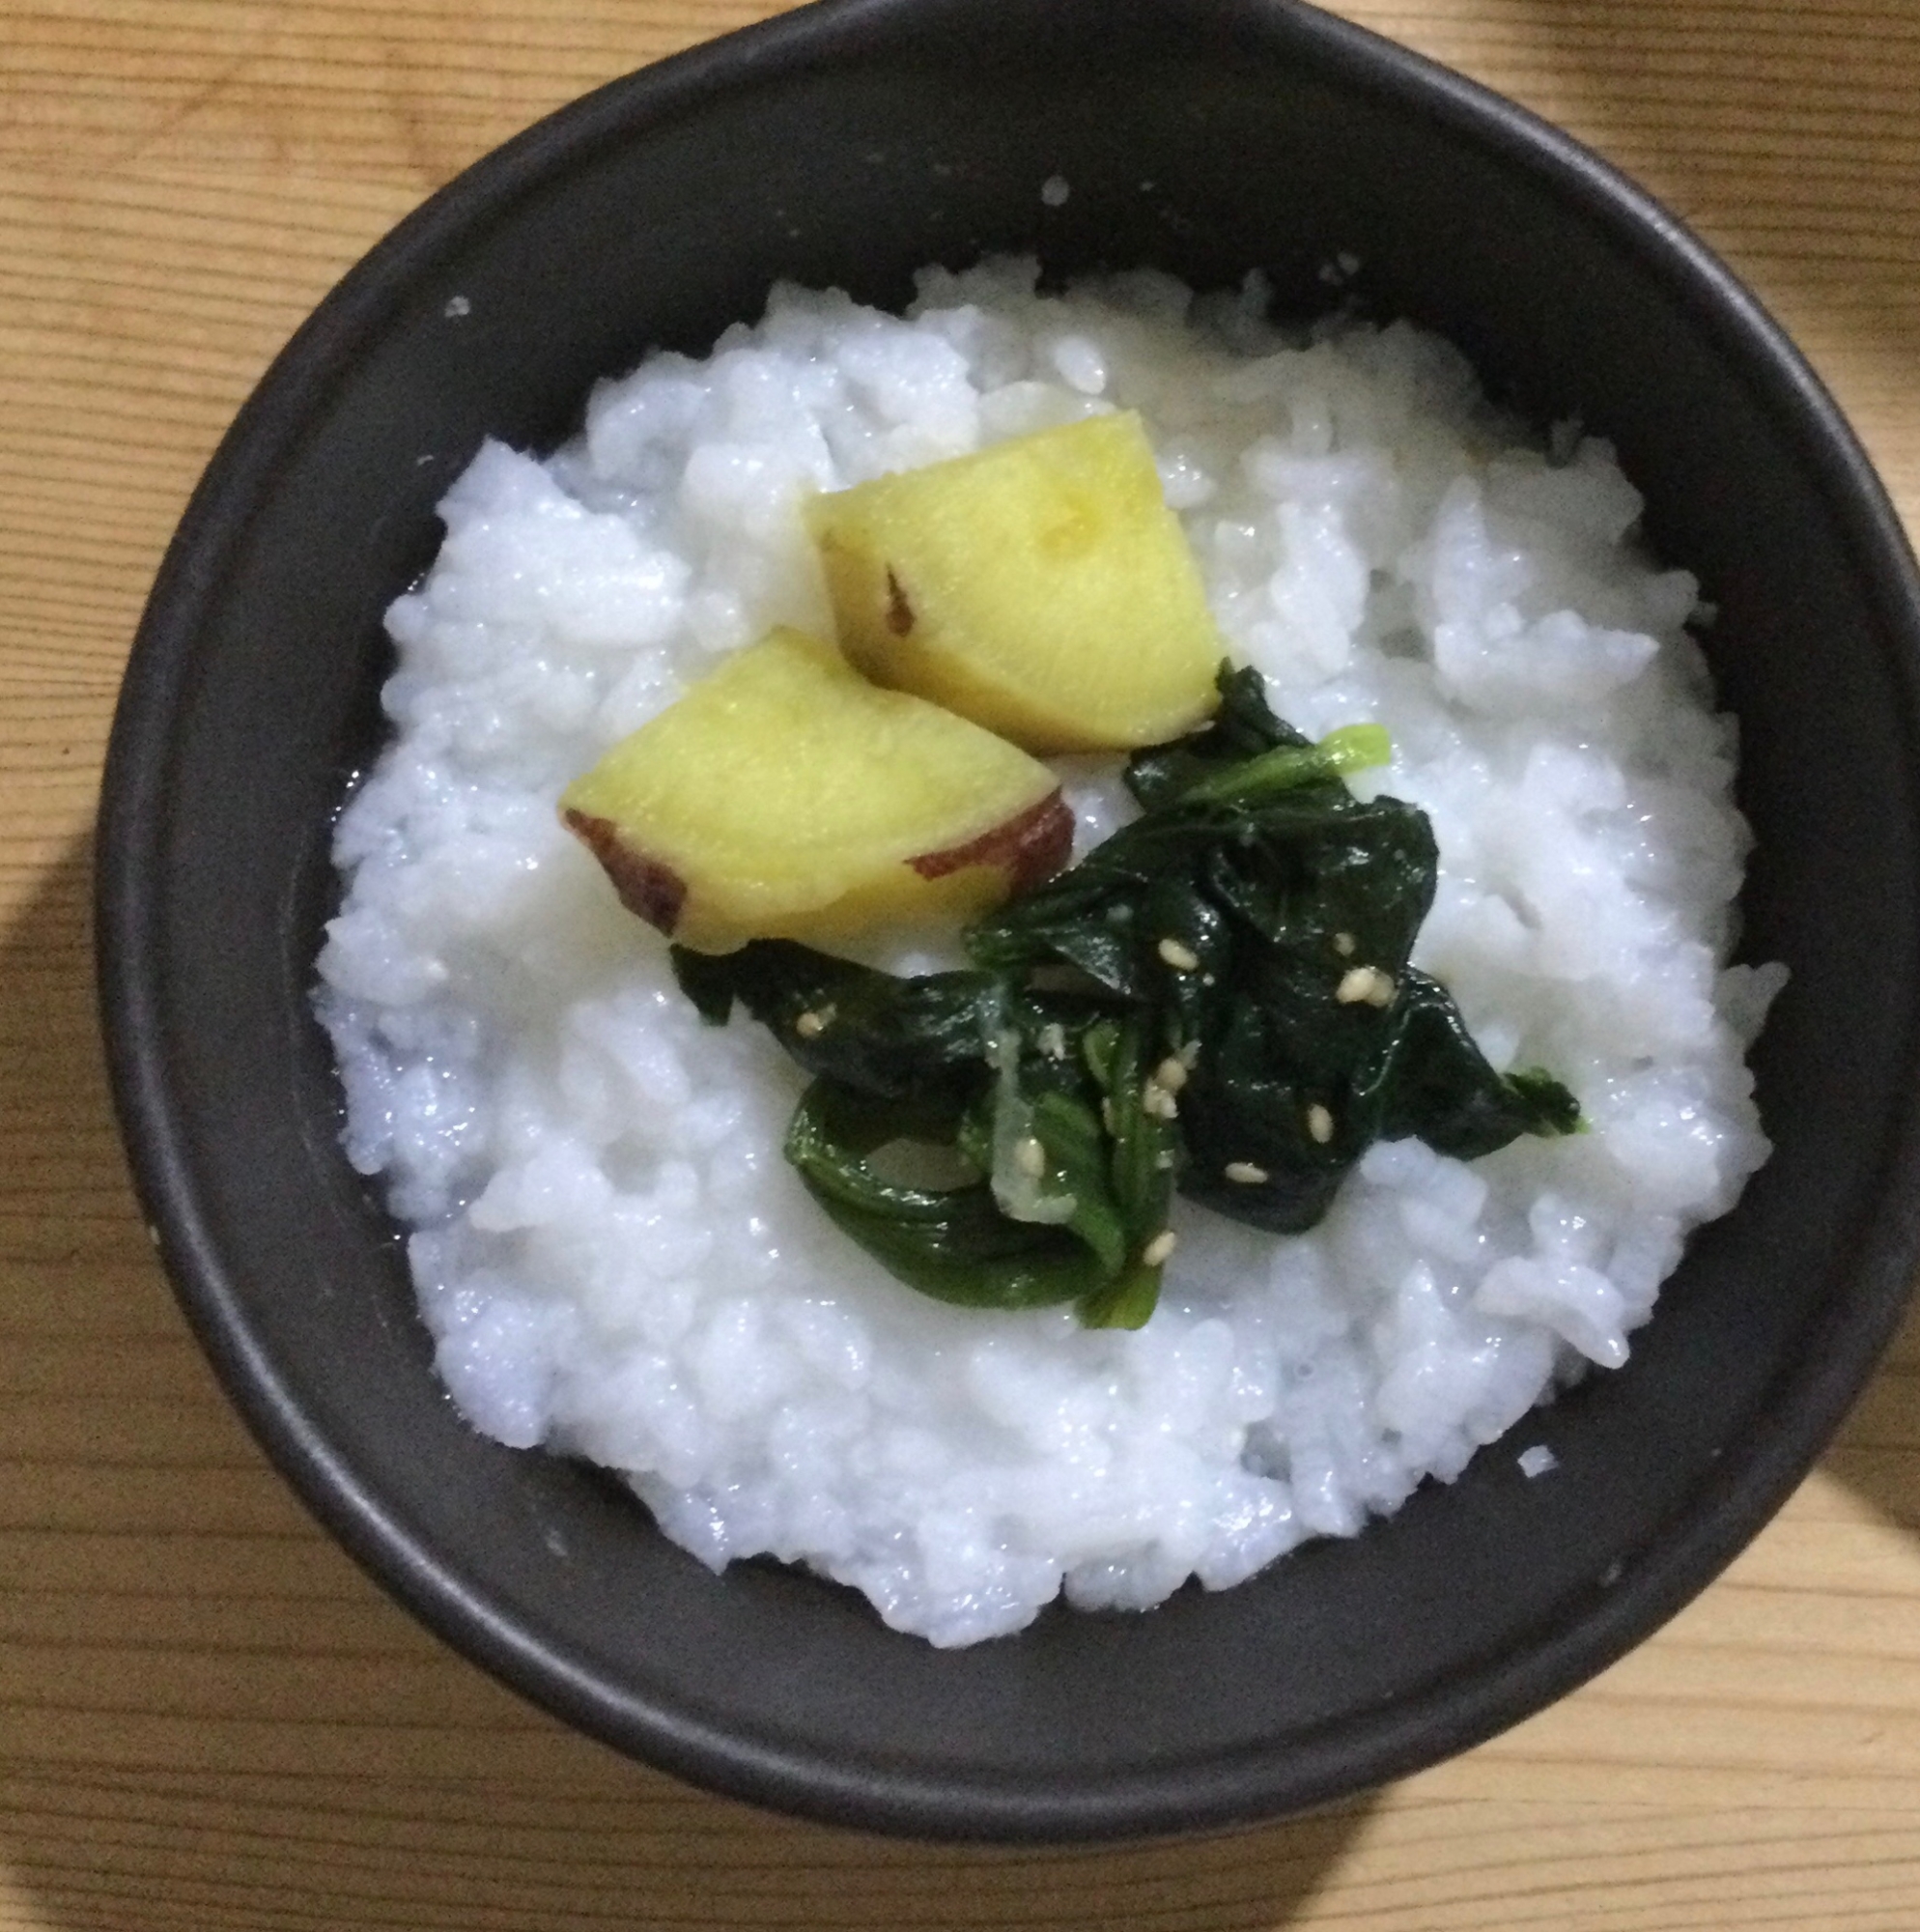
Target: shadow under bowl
column 850, row 144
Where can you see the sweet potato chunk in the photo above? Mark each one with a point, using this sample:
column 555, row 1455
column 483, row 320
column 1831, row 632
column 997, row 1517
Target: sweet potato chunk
column 788, row 797
column 1042, row 587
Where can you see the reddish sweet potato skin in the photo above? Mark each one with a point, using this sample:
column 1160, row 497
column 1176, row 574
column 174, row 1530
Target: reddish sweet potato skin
column 1031, row 846
column 648, row 888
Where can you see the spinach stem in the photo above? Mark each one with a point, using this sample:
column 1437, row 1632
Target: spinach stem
column 1353, row 748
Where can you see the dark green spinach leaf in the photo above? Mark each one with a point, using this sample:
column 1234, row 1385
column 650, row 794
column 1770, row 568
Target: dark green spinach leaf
column 1242, row 1023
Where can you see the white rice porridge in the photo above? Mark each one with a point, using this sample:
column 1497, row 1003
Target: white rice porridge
column 612, row 1255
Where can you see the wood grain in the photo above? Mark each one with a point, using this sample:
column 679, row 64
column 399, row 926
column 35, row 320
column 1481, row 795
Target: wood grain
column 209, row 1719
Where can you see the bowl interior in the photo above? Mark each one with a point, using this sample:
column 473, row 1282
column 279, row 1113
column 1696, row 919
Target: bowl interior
column 850, row 145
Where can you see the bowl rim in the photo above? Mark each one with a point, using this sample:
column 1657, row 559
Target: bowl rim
column 1685, row 1554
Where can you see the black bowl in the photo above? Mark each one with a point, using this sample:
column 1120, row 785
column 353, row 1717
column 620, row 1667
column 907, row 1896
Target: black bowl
column 849, row 144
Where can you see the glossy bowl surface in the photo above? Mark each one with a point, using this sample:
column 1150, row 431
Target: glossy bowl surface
column 851, row 143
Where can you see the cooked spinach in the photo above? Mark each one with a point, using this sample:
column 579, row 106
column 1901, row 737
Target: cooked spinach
column 1218, row 998
column 1039, row 1095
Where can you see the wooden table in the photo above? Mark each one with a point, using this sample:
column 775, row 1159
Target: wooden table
column 209, row 1718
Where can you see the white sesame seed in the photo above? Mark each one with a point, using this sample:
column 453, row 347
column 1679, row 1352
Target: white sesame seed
column 1343, row 943
column 1182, row 958
column 1171, row 1073
column 1320, row 1123
column 1365, row 984
column 811, row 1026
column 1154, row 1100
column 1030, row 1158
column 1053, row 1040
column 1159, row 1248
column 1245, row 1172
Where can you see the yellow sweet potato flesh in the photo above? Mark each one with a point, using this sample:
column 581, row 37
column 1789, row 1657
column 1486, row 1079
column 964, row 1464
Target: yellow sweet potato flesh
column 785, row 796
column 1042, row 587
